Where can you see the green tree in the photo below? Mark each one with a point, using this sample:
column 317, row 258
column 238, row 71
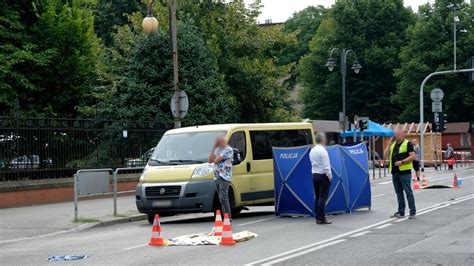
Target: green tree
column 48, row 55
column 376, row 31
column 431, row 49
column 110, row 13
column 245, row 57
column 304, row 24
column 145, row 85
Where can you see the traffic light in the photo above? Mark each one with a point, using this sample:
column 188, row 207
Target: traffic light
column 437, row 122
column 444, row 122
column 363, row 124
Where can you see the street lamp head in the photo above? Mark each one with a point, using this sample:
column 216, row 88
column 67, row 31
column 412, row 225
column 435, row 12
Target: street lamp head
column 150, row 23
column 356, row 67
column 331, row 64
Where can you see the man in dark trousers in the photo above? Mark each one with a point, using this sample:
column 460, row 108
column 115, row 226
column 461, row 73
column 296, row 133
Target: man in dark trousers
column 402, row 154
column 322, row 176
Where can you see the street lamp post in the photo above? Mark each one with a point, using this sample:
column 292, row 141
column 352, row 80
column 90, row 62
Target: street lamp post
column 355, row 66
column 454, row 7
column 150, row 24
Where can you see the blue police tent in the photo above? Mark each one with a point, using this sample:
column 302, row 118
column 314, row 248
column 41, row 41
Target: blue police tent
column 294, row 193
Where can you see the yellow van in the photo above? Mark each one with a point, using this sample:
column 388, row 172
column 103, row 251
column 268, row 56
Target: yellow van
column 178, row 179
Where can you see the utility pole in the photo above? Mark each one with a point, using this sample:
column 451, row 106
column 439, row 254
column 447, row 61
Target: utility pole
column 174, row 47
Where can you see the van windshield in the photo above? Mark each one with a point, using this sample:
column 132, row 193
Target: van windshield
column 184, row 148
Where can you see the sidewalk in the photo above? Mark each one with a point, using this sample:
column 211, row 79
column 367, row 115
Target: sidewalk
column 32, row 221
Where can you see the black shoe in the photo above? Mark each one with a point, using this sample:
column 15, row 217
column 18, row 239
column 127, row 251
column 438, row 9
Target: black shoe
column 397, row 215
column 412, row 216
column 323, row 222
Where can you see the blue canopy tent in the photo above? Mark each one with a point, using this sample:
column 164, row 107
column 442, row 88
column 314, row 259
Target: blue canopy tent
column 294, row 193
column 373, row 130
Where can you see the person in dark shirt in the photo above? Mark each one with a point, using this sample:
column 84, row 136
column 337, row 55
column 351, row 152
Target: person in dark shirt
column 401, row 155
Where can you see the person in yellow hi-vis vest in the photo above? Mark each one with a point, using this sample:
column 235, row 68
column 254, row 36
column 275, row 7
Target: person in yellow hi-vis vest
column 401, row 155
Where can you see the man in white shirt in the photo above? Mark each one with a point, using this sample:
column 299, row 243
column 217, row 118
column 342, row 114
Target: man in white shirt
column 322, row 176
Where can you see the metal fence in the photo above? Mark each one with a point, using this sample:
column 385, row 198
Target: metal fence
column 39, row 148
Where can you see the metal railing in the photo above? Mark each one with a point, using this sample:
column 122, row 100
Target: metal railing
column 93, row 182
column 41, row 148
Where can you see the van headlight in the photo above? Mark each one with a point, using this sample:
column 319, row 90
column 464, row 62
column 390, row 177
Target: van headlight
column 203, row 170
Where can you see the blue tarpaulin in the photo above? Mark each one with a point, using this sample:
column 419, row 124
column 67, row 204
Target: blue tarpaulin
column 294, row 193
column 373, row 130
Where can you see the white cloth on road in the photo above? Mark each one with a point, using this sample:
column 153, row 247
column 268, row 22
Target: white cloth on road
column 320, row 163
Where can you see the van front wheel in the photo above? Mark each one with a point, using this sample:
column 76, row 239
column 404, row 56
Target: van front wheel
column 235, row 210
column 150, row 217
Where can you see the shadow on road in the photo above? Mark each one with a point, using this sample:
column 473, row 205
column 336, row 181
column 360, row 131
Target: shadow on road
column 207, row 217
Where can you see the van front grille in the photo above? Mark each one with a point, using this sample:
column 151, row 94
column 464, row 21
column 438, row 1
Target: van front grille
column 162, row 191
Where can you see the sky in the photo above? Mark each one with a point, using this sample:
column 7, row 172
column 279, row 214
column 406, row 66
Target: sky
column 281, row 10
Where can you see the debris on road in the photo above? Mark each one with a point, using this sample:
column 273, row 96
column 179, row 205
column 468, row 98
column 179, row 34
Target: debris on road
column 67, row 257
column 203, row 239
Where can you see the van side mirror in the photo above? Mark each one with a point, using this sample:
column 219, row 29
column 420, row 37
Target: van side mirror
column 237, row 157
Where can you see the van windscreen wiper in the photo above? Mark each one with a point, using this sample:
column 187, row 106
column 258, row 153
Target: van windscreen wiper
column 162, row 162
column 186, row 161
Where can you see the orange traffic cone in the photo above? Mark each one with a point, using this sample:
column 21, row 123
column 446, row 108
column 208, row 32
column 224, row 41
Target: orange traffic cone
column 227, row 238
column 424, row 183
column 416, row 185
column 218, row 226
column 156, row 239
column 455, row 181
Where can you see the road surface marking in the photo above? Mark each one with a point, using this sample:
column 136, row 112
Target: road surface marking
column 361, row 234
column 306, row 249
column 385, row 183
column 134, row 247
column 258, row 221
column 304, row 252
column 320, row 242
column 377, row 196
column 383, row 226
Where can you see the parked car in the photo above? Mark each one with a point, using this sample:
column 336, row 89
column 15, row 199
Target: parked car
column 29, row 162
column 25, row 162
column 140, row 162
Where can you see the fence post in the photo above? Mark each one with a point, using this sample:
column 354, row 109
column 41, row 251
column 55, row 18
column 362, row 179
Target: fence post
column 380, row 171
column 115, row 192
column 76, row 218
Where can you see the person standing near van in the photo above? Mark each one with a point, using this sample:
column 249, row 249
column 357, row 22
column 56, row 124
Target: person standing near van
column 322, row 176
column 222, row 156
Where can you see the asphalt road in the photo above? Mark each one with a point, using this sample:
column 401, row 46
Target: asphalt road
column 442, row 234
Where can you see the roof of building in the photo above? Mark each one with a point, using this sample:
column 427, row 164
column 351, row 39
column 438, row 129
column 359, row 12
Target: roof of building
column 460, row 127
column 326, row 126
column 410, row 128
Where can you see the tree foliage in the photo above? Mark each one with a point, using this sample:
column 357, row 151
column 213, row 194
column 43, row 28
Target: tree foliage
column 144, row 84
column 304, row 24
column 244, row 56
column 376, row 31
column 111, row 13
column 431, row 49
column 47, row 55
